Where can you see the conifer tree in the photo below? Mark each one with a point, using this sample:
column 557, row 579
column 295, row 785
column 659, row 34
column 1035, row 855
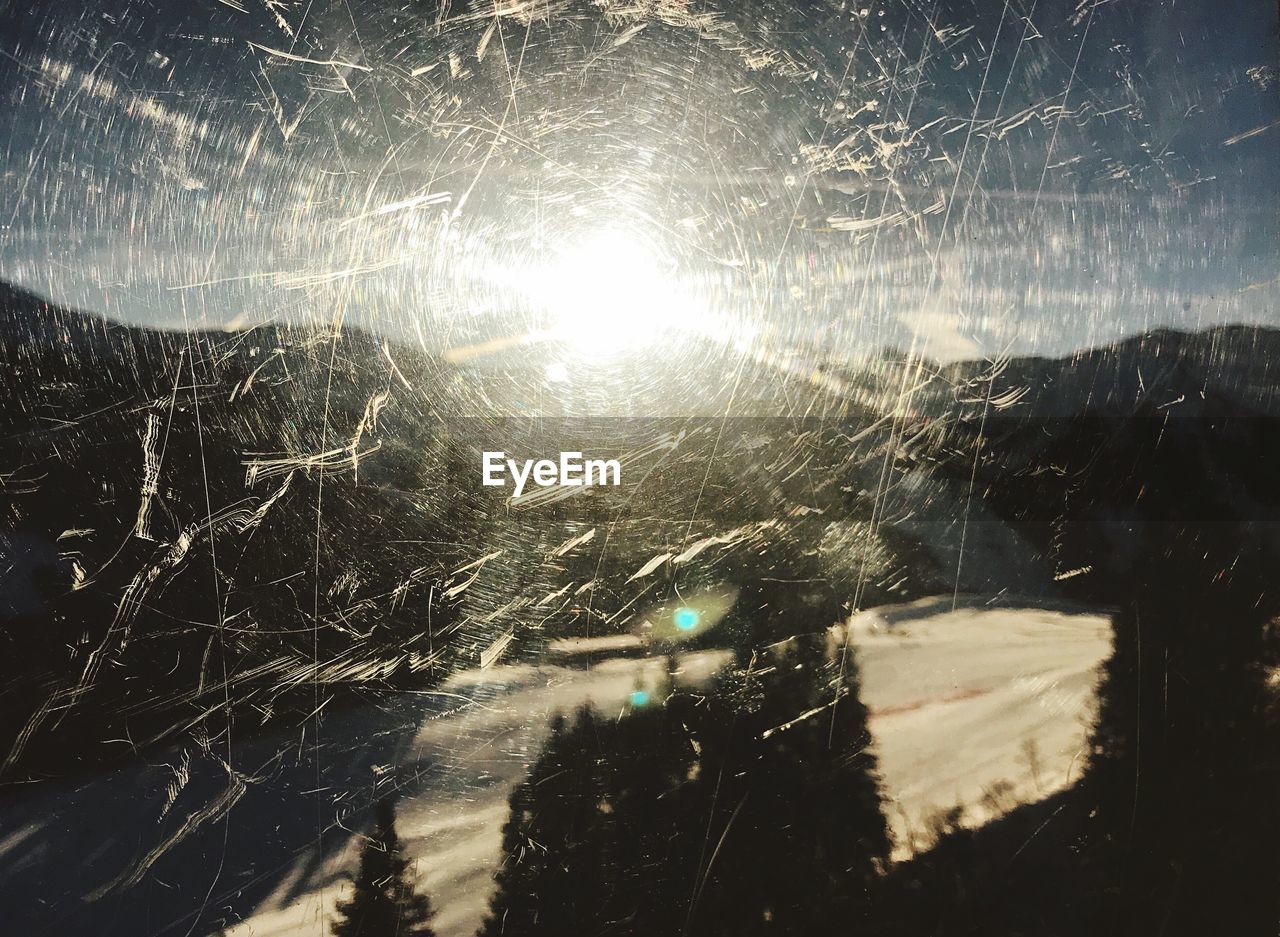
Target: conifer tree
column 385, row 902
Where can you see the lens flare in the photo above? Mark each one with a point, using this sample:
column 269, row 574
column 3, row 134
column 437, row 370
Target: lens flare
column 686, row 619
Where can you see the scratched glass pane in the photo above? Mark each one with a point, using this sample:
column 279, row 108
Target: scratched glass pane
column 619, row 467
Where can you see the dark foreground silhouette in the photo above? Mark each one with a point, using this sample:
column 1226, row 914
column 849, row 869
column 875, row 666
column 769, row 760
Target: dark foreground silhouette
column 385, row 901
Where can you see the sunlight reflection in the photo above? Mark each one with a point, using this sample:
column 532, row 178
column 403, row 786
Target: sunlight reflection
column 611, row 292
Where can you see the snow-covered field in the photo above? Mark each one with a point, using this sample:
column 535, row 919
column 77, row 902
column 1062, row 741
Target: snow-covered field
column 980, row 706
column 964, row 702
column 969, row 698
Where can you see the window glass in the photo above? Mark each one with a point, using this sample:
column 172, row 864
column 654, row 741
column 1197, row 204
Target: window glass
column 618, row 467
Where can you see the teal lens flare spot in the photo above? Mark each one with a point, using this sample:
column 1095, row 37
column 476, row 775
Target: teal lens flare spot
column 686, row 619
column 639, row 698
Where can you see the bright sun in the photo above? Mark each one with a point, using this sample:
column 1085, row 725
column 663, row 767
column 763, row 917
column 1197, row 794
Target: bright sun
column 610, row 293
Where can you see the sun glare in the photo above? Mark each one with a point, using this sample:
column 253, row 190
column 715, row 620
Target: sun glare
column 611, row 293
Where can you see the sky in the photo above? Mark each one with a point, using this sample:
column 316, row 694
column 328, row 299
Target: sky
column 827, row 179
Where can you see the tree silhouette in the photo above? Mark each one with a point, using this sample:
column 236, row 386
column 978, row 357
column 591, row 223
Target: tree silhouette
column 1184, row 763
column 748, row 807
column 1186, row 746
column 590, row 846
column 550, row 876
column 385, row 902
column 795, row 799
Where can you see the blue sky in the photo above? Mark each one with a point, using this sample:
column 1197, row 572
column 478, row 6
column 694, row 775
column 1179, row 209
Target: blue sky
column 960, row 179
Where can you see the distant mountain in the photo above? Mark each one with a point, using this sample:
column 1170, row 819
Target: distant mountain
column 201, row 522
column 1105, row 455
column 166, row 520
column 295, row 509
column 1163, row 369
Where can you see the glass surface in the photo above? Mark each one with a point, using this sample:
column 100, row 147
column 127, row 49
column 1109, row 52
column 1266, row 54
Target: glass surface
column 639, row 467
